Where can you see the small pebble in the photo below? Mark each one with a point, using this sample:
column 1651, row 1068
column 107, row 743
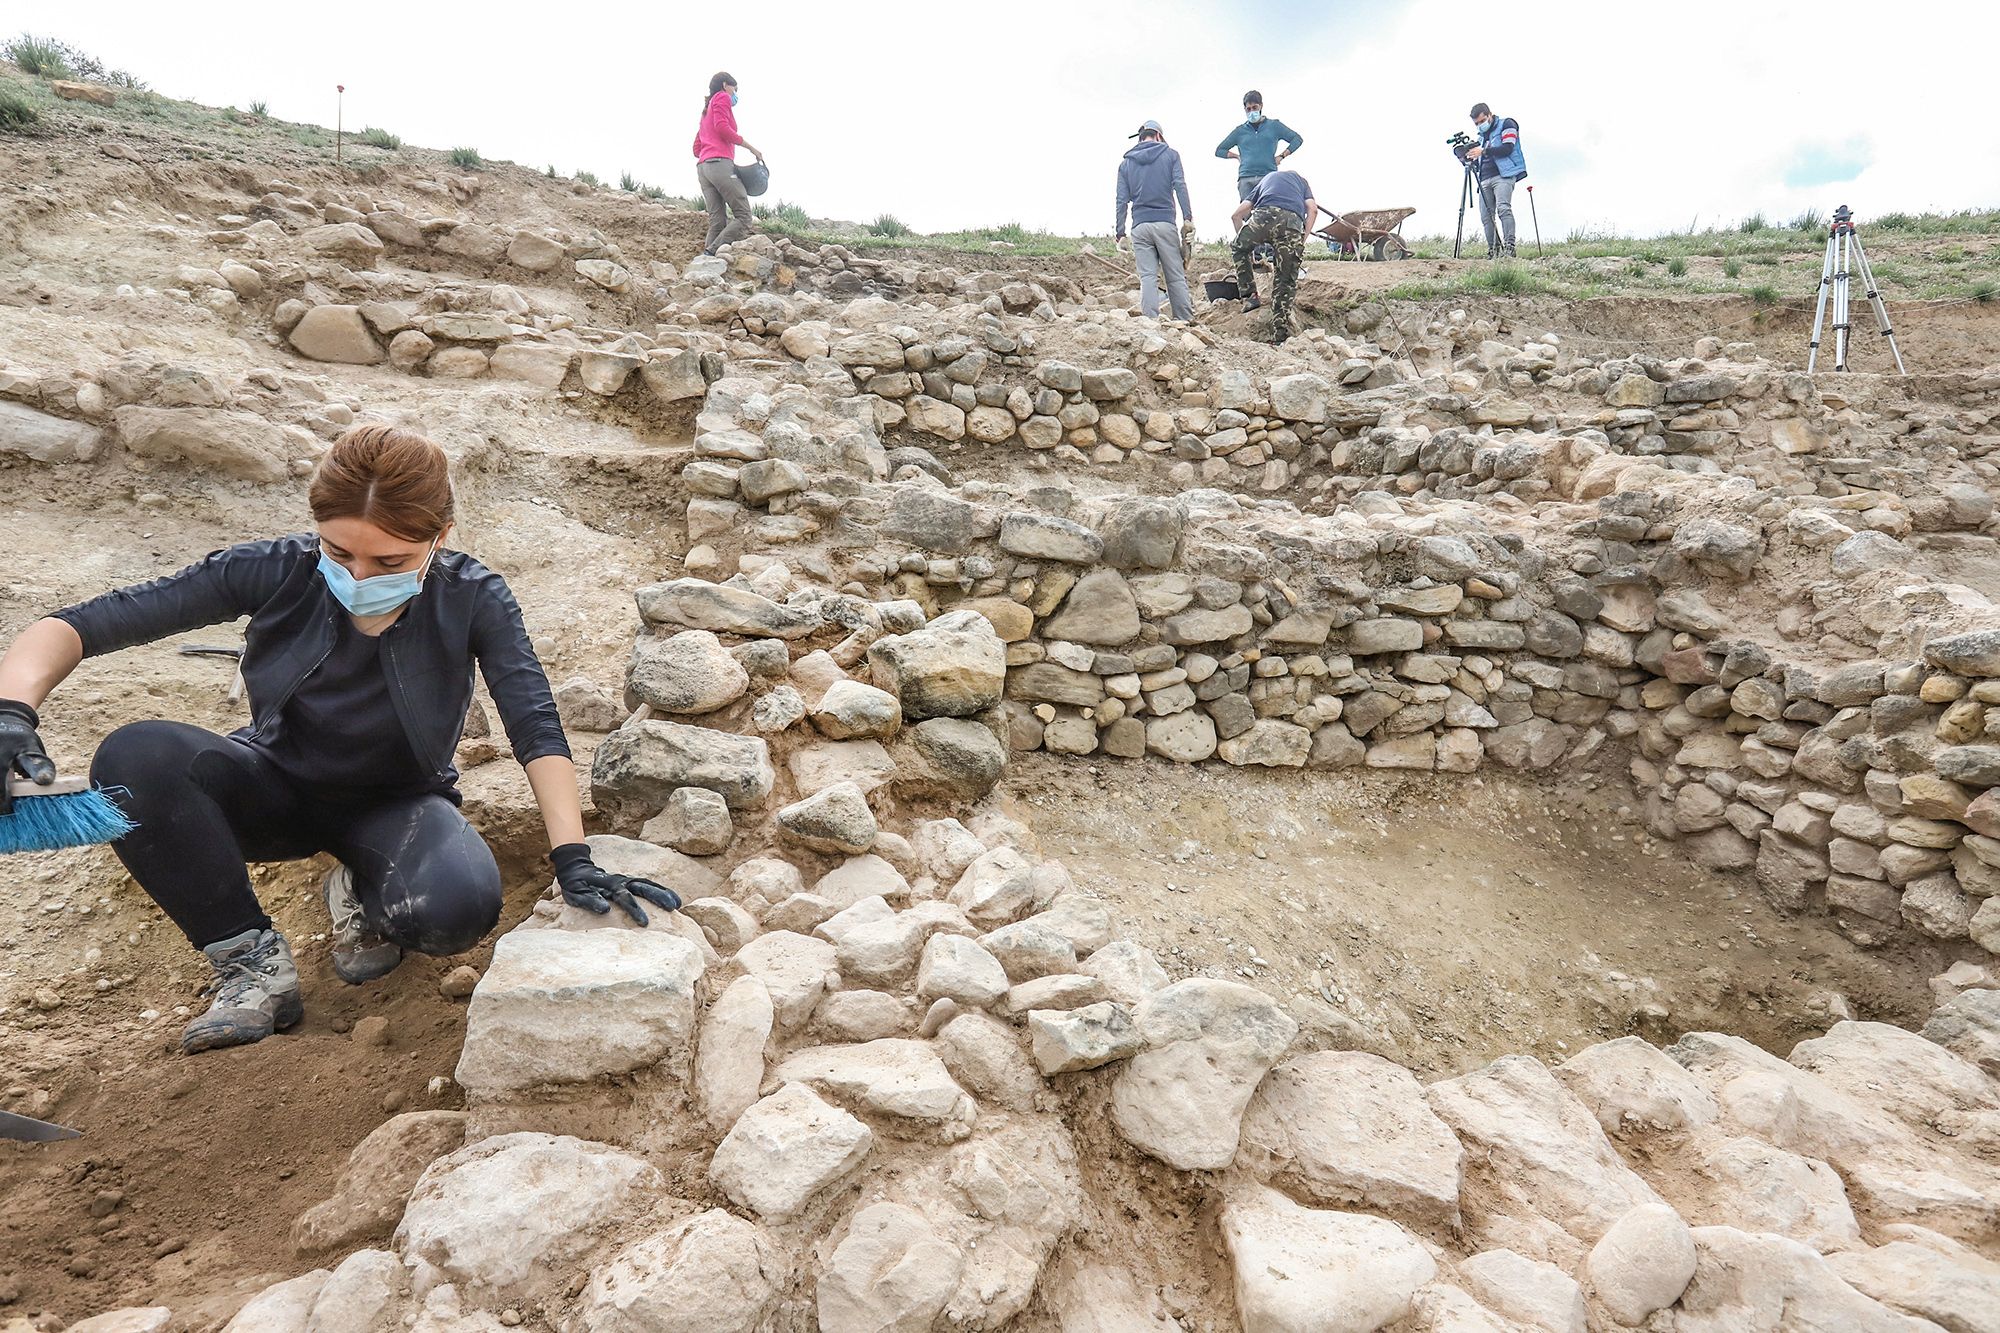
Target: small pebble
column 105, row 1202
column 372, row 1031
column 171, row 1245
column 511, row 1317
column 458, row 983
column 46, row 999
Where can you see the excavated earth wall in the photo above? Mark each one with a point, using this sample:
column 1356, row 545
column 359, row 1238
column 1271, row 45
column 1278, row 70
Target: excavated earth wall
column 889, row 1068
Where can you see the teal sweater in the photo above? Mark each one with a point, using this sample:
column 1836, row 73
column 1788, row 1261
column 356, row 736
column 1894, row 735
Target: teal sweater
column 1257, row 146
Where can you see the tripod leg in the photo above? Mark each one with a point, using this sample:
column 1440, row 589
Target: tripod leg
column 1875, row 299
column 1819, row 307
column 1840, row 308
column 1464, row 198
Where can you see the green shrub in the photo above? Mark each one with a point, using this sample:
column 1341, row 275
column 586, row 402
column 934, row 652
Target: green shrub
column 588, row 178
column 1731, row 267
column 311, row 136
column 1984, row 291
column 1754, row 223
column 784, row 216
column 888, row 224
column 41, row 57
column 551, row 172
column 16, row 113
column 378, row 138
column 1896, row 222
column 1809, row 221
column 1012, row 232
column 1507, row 279
column 466, row 159
column 1677, row 267
column 119, row 78
column 260, row 109
column 653, row 192
column 627, row 182
column 1766, row 260
column 1764, row 294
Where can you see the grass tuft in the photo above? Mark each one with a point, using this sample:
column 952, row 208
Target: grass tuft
column 888, row 224
column 628, row 182
column 380, row 138
column 41, row 56
column 587, row 178
column 1753, row 224
column 1809, row 221
column 1764, row 294
column 260, row 109
column 466, row 159
column 16, row 112
column 1677, row 267
column 1732, row 267
column 1985, row 290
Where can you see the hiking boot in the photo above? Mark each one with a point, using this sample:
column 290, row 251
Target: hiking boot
column 1251, row 303
column 360, row 953
column 1507, row 251
column 256, row 990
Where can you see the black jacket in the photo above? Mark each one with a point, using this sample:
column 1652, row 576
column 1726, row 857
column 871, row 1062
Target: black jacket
column 464, row 614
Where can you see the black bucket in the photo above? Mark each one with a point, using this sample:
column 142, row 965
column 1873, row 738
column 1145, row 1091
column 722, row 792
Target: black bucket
column 756, row 178
column 1225, row 290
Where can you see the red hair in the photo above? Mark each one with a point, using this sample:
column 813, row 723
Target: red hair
column 393, row 478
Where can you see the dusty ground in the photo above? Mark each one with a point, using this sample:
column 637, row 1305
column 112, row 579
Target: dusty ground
column 1445, row 923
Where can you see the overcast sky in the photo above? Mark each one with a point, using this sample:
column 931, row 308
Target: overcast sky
column 1635, row 119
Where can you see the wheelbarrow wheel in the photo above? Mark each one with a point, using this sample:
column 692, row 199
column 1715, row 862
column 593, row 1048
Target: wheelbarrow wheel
column 1390, row 247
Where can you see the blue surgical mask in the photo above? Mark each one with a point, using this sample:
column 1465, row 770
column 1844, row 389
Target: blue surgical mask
column 734, row 98
column 1256, row 117
column 379, row 595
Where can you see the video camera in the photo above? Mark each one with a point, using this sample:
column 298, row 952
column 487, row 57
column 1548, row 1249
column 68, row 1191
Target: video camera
column 1460, row 144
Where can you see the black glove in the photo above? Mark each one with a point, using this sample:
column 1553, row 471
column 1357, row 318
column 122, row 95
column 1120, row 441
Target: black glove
column 21, row 750
column 587, row 885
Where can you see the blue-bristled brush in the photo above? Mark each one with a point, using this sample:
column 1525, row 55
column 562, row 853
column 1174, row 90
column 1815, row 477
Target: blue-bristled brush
column 68, row 812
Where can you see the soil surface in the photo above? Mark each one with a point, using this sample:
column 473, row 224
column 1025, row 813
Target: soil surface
column 1443, row 923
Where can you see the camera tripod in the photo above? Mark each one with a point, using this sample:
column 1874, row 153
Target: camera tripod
column 1468, row 192
column 1843, row 247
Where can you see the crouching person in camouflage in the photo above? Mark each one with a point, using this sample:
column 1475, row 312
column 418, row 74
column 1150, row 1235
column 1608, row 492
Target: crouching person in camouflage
column 1276, row 214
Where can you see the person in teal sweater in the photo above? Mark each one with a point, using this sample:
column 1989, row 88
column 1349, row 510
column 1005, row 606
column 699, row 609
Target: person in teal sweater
column 1259, row 144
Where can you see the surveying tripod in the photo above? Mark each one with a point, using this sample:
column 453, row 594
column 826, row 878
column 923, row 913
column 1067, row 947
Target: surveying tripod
column 1843, row 247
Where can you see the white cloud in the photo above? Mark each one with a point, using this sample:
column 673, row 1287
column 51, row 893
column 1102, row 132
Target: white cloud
column 1634, row 119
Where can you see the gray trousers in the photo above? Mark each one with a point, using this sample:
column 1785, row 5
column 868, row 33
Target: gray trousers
column 1496, row 213
column 727, row 202
column 1156, row 248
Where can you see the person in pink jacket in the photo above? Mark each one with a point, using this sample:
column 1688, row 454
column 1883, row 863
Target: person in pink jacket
column 715, row 145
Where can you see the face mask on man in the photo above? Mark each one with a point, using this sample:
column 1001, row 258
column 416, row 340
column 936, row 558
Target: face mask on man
column 377, row 596
column 1256, row 117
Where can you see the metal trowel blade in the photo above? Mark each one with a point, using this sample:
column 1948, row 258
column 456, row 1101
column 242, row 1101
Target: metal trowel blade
column 29, row 1130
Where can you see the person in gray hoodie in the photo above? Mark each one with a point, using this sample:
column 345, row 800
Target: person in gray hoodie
column 1150, row 182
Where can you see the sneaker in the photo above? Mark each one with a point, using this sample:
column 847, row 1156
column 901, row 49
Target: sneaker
column 256, row 990
column 360, row 953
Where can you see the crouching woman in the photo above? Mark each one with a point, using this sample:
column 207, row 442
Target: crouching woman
column 358, row 661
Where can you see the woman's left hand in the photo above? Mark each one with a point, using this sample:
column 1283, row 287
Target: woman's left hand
column 587, row 885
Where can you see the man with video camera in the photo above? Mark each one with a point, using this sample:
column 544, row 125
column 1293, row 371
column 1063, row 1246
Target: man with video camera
column 1501, row 167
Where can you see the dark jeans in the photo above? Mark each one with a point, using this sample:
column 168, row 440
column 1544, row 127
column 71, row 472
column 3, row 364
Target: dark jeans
column 207, row 804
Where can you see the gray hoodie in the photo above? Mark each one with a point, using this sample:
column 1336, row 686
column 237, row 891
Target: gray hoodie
column 1149, row 180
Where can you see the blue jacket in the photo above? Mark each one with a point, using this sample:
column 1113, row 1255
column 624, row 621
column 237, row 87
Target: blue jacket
column 1150, row 179
column 1501, row 140
column 1257, row 146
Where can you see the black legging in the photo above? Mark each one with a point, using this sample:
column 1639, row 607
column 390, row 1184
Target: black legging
column 206, row 804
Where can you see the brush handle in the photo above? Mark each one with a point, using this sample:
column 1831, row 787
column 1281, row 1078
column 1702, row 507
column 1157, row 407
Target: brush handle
column 18, row 786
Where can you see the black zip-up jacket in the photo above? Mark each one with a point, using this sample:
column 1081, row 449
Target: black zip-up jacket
column 465, row 614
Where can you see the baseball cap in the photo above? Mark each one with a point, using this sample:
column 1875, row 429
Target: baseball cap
column 1150, row 127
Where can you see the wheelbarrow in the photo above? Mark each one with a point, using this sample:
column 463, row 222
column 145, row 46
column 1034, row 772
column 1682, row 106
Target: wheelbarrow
column 1373, row 233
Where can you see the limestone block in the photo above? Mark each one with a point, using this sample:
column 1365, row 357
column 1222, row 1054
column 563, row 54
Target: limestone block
column 561, row 1006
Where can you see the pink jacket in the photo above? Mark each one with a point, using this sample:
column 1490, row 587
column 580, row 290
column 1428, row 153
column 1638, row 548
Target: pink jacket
column 717, row 136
